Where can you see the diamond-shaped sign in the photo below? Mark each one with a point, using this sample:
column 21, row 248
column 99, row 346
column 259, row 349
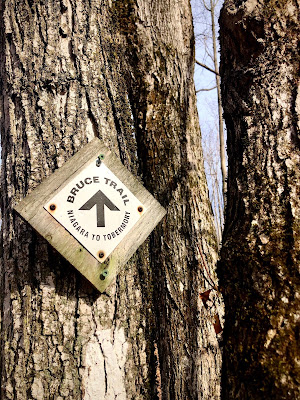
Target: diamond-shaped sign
column 94, row 212
column 97, row 209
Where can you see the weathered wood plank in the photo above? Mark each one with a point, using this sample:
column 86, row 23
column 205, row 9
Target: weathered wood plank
column 31, row 208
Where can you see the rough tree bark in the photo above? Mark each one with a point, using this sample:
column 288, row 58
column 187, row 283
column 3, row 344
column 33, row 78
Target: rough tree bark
column 121, row 71
column 259, row 268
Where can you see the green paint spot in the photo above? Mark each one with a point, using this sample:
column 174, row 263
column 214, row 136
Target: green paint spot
column 103, row 275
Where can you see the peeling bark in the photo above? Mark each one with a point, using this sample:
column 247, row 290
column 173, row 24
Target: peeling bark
column 259, row 268
column 121, row 71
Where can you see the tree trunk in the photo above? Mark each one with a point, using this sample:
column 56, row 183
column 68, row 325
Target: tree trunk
column 259, row 268
column 121, row 71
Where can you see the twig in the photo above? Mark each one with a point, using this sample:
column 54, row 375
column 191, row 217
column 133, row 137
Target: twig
column 206, row 90
column 206, row 67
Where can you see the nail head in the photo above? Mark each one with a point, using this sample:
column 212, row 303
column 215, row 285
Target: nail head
column 101, row 254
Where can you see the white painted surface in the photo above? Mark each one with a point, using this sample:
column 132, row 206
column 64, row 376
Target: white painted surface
column 97, row 209
column 104, row 362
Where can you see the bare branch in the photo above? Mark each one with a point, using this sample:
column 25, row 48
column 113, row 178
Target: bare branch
column 206, row 7
column 206, row 90
column 206, row 67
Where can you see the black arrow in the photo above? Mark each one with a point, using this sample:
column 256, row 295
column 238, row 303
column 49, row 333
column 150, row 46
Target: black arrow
column 99, row 200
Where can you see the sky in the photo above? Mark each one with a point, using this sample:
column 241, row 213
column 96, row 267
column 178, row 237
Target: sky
column 207, row 103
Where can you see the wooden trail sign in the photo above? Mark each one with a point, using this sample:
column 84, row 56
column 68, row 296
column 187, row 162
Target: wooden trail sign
column 94, row 212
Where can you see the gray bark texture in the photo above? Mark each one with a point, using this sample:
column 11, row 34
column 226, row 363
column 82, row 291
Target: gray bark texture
column 259, row 268
column 122, row 71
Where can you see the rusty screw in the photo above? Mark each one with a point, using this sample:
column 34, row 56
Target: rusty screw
column 52, row 207
column 101, row 254
column 140, row 209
